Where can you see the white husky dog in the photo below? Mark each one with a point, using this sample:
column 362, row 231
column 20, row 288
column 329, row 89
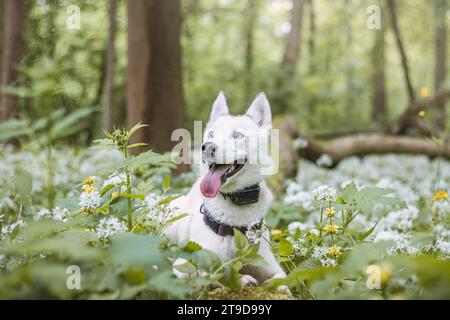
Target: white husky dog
column 231, row 192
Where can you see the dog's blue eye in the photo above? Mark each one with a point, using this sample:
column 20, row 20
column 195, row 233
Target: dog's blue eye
column 237, row 135
column 210, row 135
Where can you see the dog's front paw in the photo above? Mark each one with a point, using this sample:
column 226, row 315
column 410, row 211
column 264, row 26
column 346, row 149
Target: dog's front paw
column 248, row 281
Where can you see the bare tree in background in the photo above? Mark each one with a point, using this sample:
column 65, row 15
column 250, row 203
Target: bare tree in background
column 12, row 44
column 290, row 58
column 379, row 110
column 154, row 88
column 440, row 66
column 108, row 85
column 251, row 18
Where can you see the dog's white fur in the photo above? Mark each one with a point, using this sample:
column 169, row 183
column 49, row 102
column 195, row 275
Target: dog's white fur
column 193, row 228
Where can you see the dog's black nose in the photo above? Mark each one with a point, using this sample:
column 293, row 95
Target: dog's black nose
column 209, row 149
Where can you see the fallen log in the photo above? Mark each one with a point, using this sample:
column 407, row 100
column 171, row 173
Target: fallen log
column 352, row 145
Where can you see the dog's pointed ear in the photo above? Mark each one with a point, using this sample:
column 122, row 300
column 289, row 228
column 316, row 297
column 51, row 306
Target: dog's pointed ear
column 260, row 112
column 219, row 107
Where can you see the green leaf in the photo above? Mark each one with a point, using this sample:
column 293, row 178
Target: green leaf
column 349, row 191
column 367, row 233
column 135, row 276
column 241, row 241
column 231, row 276
column 135, row 145
column 176, row 218
column 192, row 246
column 136, row 128
column 187, row 267
column 64, row 127
column 146, row 158
column 285, row 248
column 133, row 195
column 23, row 184
column 166, row 183
column 133, row 250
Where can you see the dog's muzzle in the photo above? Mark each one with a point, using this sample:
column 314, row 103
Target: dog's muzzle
column 209, row 151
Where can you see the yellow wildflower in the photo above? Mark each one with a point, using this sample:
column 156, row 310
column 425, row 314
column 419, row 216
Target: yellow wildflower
column 330, row 212
column 422, row 114
column 440, row 195
column 424, row 92
column 275, row 232
column 334, row 251
column 88, row 188
column 331, row 228
column 89, row 180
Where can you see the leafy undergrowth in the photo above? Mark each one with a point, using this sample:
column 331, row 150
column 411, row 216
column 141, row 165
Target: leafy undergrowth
column 89, row 224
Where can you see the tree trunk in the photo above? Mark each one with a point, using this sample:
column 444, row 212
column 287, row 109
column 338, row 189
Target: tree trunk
column 290, row 59
column 401, row 48
column 440, row 66
column 311, row 38
column 12, row 53
column 2, row 30
column 154, row 88
column 251, row 17
column 379, row 110
column 292, row 52
column 108, row 90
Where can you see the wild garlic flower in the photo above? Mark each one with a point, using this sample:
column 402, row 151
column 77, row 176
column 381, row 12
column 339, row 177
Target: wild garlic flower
column 325, row 193
column 318, row 253
column 158, row 212
column 90, row 201
column 109, row 226
column 324, row 161
column 254, row 236
column 60, row 214
column 117, row 180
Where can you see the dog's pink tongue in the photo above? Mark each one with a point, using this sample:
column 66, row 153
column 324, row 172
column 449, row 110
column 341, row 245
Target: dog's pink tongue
column 211, row 183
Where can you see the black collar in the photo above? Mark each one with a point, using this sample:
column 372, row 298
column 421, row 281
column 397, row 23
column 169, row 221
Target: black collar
column 247, row 195
column 223, row 229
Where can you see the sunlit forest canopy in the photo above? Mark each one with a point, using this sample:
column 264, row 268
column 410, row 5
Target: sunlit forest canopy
column 238, row 47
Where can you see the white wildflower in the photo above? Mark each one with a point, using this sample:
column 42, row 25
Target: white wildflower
column 302, row 198
column 401, row 243
column 117, row 180
column 296, row 225
column 400, row 219
column 11, row 227
column 328, row 262
column 442, row 246
column 300, row 143
column 60, row 214
column 253, row 236
column 109, row 226
column 324, row 161
column 325, row 193
column 158, row 212
column 319, row 252
column 42, row 213
column 90, row 200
